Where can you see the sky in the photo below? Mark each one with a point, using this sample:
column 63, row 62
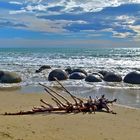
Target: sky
column 70, row 23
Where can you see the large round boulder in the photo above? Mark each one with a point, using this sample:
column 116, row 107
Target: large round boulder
column 132, row 78
column 112, row 77
column 98, row 75
column 77, row 76
column 1, row 73
column 79, row 70
column 57, row 73
column 93, row 78
column 103, row 72
column 68, row 70
column 43, row 68
column 9, row 77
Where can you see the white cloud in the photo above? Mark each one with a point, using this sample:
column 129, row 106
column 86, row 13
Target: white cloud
column 33, row 1
column 38, row 7
column 15, row 2
column 69, row 5
column 125, row 19
column 107, row 30
column 136, row 29
column 17, row 12
column 121, row 35
column 88, row 5
column 33, row 23
column 42, row 25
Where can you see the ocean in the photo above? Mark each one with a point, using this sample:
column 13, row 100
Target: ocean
column 25, row 61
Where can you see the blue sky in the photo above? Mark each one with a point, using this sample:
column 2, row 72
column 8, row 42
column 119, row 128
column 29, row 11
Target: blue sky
column 96, row 23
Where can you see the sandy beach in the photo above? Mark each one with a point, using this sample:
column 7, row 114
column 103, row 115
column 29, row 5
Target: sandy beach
column 125, row 125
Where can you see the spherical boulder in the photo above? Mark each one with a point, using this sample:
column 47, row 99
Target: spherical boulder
column 112, row 77
column 79, row 70
column 98, row 75
column 132, row 78
column 77, row 76
column 93, row 78
column 58, row 73
column 1, row 73
column 43, row 68
column 68, row 70
column 103, row 72
column 9, row 77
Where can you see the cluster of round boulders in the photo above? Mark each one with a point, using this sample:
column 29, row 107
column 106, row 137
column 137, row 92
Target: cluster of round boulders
column 57, row 73
column 9, row 77
column 44, row 67
column 76, row 74
column 79, row 74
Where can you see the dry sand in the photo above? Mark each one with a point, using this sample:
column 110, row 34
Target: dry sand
column 100, row 126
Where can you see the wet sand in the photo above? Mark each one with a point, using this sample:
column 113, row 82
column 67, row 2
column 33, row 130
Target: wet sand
column 58, row 126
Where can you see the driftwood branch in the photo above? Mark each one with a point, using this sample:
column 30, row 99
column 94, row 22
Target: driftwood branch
column 44, row 102
column 54, row 97
column 89, row 106
column 55, row 93
column 72, row 96
column 57, row 103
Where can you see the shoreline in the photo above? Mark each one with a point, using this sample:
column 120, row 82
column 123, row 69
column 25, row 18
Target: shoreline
column 127, row 107
column 119, row 94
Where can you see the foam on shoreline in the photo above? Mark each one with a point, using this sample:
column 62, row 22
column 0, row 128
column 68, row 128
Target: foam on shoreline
column 128, row 107
column 125, row 97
